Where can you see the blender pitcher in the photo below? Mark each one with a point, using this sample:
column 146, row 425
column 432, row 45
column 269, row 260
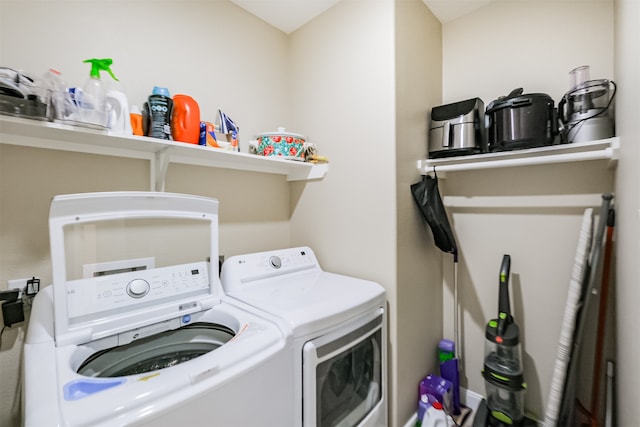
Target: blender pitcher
column 587, row 109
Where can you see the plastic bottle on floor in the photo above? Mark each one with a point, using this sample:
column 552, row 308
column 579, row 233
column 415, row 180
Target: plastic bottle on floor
column 435, row 416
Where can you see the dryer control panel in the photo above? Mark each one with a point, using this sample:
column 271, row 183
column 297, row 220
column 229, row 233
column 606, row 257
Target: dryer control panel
column 137, row 288
column 240, row 270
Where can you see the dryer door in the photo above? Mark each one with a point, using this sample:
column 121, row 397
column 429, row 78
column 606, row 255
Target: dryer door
column 343, row 375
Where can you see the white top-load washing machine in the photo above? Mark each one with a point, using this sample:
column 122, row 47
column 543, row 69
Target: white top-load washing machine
column 338, row 324
column 135, row 330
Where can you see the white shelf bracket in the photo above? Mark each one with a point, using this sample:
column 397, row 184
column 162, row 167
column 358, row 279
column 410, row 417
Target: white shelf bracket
column 159, row 166
column 614, row 152
column 426, row 169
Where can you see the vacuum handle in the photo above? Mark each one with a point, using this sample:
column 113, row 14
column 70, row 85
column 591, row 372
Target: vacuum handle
column 504, row 309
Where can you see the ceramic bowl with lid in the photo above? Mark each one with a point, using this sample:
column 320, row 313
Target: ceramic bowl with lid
column 281, row 143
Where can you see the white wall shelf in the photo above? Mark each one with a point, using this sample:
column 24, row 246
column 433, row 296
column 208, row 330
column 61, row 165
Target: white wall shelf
column 604, row 149
column 160, row 153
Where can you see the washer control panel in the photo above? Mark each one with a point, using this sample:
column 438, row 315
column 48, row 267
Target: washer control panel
column 112, row 292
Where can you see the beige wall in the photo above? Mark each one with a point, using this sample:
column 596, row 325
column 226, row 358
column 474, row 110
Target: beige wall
column 627, row 74
column 354, row 90
column 487, row 53
column 528, row 44
column 320, row 81
column 418, row 312
column 214, row 51
column 222, row 56
column 24, row 231
column 342, row 84
column 365, row 84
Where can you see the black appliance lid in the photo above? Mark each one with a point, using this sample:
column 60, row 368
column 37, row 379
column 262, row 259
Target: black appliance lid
column 517, row 99
column 450, row 111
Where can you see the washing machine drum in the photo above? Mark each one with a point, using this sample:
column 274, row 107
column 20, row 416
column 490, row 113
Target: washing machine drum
column 157, row 352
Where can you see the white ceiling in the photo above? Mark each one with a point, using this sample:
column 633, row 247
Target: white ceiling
column 289, row 15
column 448, row 10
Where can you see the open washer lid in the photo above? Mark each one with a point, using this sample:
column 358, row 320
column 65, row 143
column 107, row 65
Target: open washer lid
column 125, row 260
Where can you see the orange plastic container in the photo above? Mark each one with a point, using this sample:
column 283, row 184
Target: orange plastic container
column 136, row 121
column 185, row 119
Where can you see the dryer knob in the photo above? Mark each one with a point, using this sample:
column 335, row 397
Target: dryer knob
column 137, row 288
column 275, row 262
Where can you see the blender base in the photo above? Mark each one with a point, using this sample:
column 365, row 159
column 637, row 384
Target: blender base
column 591, row 129
column 484, row 419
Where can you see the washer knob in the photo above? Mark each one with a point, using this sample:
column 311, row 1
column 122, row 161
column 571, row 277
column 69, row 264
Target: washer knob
column 137, row 288
column 275, row 262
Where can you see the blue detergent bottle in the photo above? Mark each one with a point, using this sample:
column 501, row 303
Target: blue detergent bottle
column 160, row 106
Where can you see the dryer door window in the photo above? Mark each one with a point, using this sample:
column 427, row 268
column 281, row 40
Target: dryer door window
column 343, row 376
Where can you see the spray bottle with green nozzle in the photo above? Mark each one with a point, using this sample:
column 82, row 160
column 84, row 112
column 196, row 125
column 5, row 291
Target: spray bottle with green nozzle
column 93, row 104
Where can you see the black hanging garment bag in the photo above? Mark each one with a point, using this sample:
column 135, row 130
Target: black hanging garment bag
column 427, row 196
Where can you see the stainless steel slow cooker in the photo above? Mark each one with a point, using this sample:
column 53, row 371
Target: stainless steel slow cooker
column 519, row 121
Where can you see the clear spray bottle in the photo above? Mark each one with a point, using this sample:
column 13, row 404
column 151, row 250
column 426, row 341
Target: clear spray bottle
column 93, row 104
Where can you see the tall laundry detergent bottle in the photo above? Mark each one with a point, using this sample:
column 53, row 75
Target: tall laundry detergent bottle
column 92, row 102
column 160, row 106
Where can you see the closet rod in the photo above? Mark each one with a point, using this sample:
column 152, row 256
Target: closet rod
column 546, row 201
column 607, row 154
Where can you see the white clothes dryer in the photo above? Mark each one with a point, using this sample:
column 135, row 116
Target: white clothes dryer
column 135, row 330
column 338, row 324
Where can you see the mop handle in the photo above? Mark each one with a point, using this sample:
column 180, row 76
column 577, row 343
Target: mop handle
column 456, row 329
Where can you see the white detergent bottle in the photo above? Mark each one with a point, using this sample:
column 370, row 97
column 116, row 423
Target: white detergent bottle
column 119, row 117
column 435, row 416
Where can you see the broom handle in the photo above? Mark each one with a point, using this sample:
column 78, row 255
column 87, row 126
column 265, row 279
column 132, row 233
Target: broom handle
column 602, row 319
